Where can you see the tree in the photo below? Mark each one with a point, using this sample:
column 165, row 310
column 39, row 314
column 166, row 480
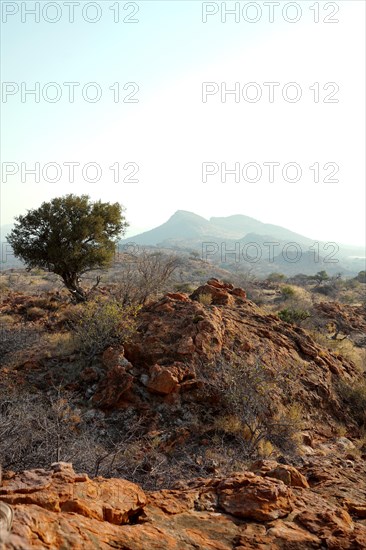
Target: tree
column 69, row 236
column 321, row 277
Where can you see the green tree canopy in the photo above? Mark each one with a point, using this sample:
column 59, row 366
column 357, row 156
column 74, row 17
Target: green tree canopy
column 69, row 236
column 321, row 276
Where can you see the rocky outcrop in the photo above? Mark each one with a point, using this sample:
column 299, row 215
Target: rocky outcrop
column 320, row 503
column 249, row 510
column 179, row 334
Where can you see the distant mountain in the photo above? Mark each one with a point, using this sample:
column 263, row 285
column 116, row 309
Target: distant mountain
column 243, row 225
column 186, row 226
column 182, row 226
column 188, row 231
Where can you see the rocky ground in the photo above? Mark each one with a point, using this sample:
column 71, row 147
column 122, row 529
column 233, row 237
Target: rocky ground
column 270, row 506
column 316, row 499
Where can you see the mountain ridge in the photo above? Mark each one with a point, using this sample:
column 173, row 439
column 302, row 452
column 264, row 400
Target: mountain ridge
column 236, row 226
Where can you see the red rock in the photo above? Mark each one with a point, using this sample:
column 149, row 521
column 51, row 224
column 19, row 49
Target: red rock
column 186, row 346
column 113, row 387
column 58, row 508
column 113, row 356
column 179, row 296
column 357, row 509
column 255, row 498
column 239, row 292
column 163, row 380
column 219, row 295
column 288, row 474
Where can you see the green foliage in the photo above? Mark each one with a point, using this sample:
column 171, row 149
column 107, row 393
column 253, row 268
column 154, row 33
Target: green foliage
column 287, row 292
column 276, row 277
column 100, row 324
column 293, row 315
column 68, row 236
column 321, row 276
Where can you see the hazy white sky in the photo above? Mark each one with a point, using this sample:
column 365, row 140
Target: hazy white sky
column 170, row 131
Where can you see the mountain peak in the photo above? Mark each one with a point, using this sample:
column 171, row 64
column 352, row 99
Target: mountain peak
column 186, row 214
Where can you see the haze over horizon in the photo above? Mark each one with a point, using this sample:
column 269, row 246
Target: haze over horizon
column 134, row 230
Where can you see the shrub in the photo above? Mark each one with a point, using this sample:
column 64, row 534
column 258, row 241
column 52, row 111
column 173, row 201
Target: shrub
column 287, row 292
column 326, row 290
column 246, row 400
column 276, row 277
column 101, row 323
column 144, row 275
column 205, row 299
column 293, row 316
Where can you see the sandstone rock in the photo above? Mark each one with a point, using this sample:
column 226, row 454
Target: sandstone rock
column 357, row 509
column 239, row 292
column 219, row 296
column 163, row 380
column 114, row 356
column 325, row 523
column 288, row 474
column 111, row 390
column 195, row 333
column 179, row 296
column 255, row 498
column 186, row 346
column 292, row 535
column 58, row 508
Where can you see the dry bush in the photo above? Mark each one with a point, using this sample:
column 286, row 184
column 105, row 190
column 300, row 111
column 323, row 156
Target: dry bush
column 37, row 429
column 58, row 344
column 17, row 338
column 249, row 395
column 102, row 323
column 205, row 298
column 144, row 275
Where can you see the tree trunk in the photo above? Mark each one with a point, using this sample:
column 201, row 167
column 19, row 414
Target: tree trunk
column 72, row 284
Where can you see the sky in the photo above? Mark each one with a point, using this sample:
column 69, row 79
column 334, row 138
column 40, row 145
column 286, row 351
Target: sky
column 149, row 101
